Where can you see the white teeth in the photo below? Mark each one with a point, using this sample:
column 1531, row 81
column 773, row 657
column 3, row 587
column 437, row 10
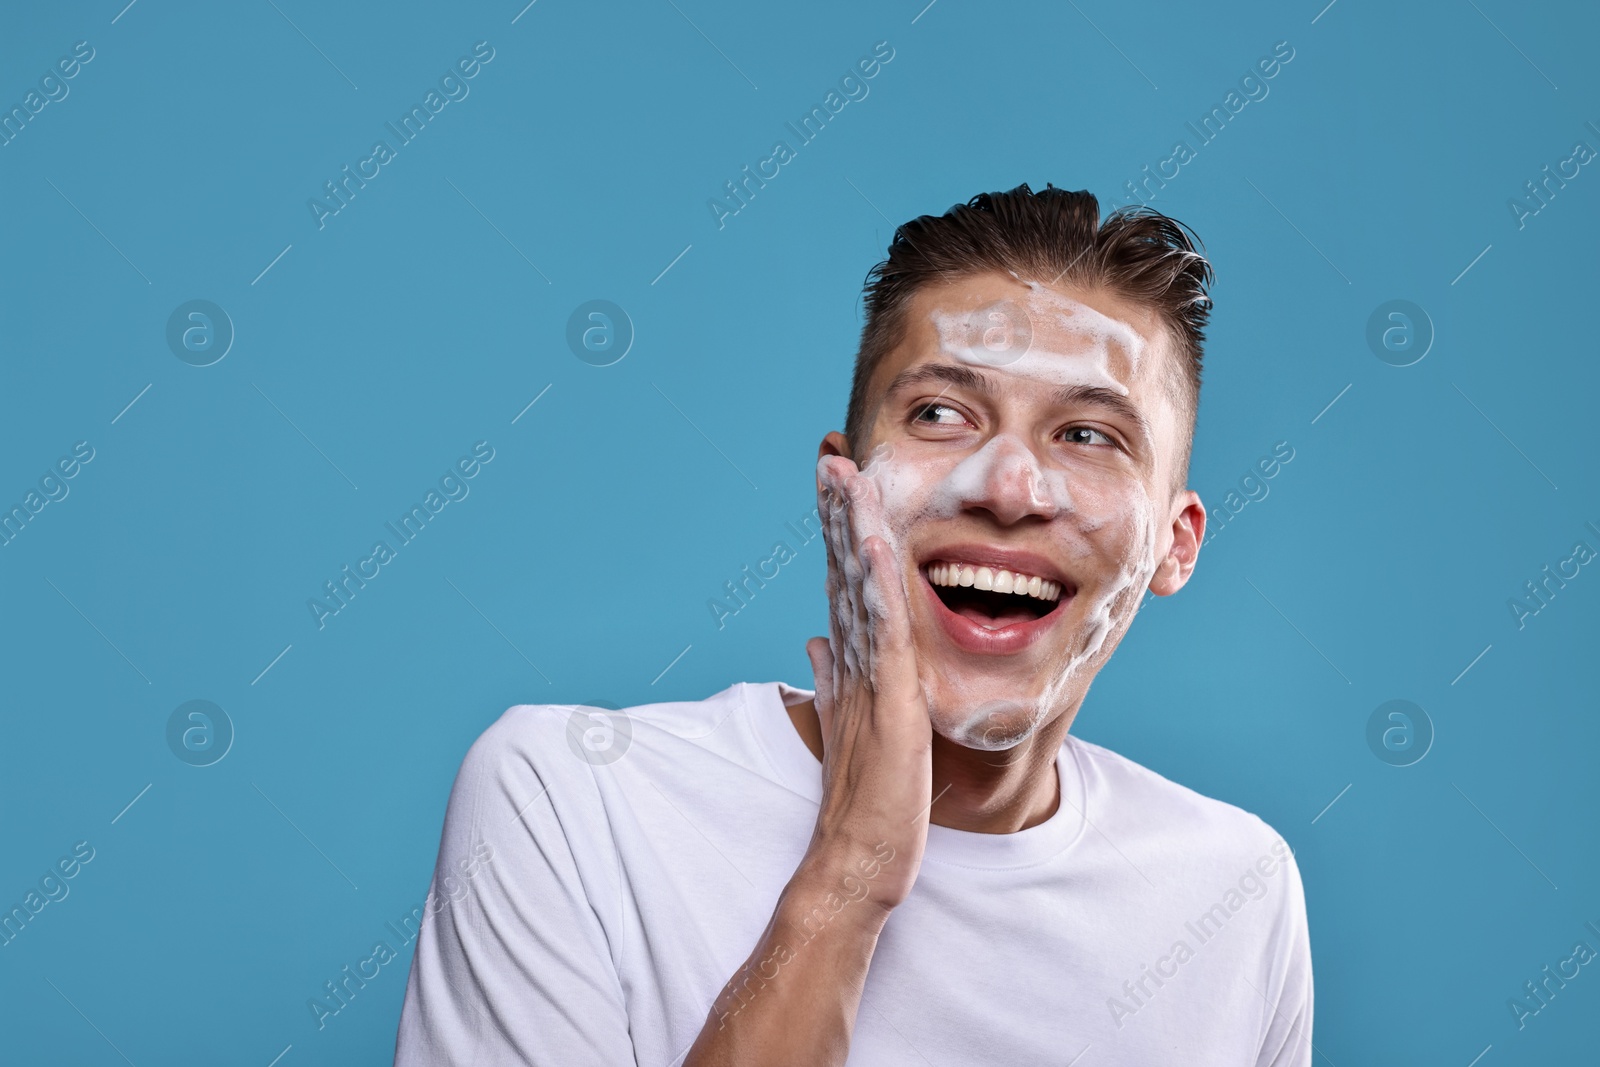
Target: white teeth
column 999, row 581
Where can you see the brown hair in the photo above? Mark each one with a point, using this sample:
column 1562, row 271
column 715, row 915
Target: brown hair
column 1051, row 235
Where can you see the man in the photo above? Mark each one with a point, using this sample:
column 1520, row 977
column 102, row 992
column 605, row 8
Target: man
column 916, row 863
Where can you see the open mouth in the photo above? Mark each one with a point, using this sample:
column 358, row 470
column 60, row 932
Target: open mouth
column 990, row 597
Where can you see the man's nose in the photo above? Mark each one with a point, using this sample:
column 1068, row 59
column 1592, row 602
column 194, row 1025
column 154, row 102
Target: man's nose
column 1004, row 478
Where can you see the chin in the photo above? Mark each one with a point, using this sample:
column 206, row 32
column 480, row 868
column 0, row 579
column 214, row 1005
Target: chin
column 1005, row 706
column 990, row 724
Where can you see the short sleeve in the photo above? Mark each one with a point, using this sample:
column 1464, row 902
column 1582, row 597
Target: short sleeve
column 512, row 964
column 1287, row 988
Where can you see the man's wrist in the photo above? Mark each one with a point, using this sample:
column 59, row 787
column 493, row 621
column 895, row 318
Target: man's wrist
column 838, row 886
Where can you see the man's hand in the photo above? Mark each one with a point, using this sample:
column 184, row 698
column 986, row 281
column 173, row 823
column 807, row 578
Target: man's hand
column 795, row 999
column 877, row 766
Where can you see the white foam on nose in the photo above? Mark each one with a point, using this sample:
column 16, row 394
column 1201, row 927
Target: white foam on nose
column 1004, row 471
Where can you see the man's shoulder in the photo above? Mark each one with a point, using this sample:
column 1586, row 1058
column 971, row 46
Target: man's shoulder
column 1181, row 815
column 575, row 736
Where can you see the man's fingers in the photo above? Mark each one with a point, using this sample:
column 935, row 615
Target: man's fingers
column 866, row 509
column 869, row 618
column 886, row 596
column 841, row 599
column 848, row 606
column 893, row 659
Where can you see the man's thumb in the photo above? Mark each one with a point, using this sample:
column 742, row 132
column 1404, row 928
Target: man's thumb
column 821, row 655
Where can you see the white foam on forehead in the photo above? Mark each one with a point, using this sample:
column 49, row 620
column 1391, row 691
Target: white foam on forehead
column 960, row 332
column 1076, row 317
column 1051, row 368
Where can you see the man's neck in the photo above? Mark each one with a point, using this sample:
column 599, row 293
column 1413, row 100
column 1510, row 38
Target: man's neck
column 979, row 791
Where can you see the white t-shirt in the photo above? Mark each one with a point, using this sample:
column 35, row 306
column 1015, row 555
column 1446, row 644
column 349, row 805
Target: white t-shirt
column 604, row 883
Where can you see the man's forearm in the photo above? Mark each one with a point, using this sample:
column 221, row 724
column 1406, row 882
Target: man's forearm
column 794, row 1001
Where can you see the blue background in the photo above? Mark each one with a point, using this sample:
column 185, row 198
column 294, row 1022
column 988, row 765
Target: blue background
column 429, row 312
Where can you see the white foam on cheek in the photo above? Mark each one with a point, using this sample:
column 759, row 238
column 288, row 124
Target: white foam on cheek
column 898, row 484
column 1135, row 575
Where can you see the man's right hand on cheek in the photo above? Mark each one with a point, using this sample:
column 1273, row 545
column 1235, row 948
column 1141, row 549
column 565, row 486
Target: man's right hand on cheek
column 877, row 751
column 872, row 825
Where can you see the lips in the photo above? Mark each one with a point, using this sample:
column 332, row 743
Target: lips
column 994, row 601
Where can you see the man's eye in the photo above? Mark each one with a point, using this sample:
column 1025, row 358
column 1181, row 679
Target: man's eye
column 1086, row 435
column 939, row 414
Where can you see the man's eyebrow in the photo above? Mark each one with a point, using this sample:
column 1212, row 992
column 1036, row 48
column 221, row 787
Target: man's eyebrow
column 941, row 373
column 1098, row 396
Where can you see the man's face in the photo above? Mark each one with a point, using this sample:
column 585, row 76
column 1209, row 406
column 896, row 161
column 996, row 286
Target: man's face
column 1023, row 438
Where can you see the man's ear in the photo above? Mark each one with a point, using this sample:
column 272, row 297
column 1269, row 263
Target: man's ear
column 833, row 443
column 1188, row 533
